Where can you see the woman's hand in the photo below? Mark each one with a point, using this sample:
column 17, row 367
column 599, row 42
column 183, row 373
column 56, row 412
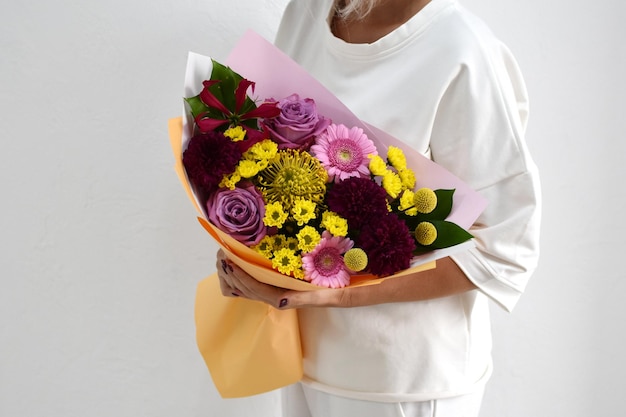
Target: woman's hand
column 235, row 282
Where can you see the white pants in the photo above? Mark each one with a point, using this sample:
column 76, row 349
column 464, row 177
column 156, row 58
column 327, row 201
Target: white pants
column 302, row 401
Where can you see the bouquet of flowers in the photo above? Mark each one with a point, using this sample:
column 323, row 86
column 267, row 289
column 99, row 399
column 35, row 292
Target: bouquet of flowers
column 303, row 195
column 313, row 197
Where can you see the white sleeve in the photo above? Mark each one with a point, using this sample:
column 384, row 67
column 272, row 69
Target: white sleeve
column 478, row 134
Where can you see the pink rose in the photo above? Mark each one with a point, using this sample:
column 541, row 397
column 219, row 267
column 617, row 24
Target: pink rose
column 298, row 123
column 239, row 213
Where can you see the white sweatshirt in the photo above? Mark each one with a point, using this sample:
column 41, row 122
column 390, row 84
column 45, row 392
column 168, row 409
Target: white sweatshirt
column 443, row 84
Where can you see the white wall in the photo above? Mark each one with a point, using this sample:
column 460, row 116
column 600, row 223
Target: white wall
column 101, row 251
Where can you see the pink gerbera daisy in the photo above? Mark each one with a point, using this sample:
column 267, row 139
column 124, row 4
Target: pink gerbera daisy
column 343, row 152
column 324, row 265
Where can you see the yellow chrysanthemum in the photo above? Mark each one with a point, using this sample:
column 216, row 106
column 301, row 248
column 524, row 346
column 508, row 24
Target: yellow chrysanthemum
column 247, row 168
column 265, row 247
column 236, row 133
column 298, row 274
column 291, row 243
column 286, row 261
column 377, row 165
column 303, row 211
column 392, row 184
column 278, row 241
column 407, row 176
column 293, row 175
column 425, row 200
column 308, row 238
column 335, row 224
column 262, row 151
column 406, row 200
column 396, row 158
column 411, row 212
column 355, row 259
column 425, row 233
column 275, row 215
column 230, row 181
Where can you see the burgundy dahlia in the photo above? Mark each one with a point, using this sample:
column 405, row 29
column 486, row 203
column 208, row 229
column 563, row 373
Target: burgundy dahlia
column 388, row 244
column 358, row 200
column 208, row 158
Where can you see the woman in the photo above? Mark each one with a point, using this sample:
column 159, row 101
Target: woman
column 433, row 75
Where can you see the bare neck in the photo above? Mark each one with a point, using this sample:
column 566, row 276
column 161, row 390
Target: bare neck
column 382, row 20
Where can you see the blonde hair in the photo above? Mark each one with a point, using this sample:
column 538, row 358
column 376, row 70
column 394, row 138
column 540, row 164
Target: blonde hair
column 354, row 9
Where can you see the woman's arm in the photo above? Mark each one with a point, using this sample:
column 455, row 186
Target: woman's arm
column 444, row 280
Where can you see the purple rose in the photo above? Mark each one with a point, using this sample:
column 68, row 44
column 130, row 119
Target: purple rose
column 239, row 213
column 298, row 123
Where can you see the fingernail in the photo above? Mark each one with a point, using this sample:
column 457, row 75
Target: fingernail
column 283, row 303
column 235, row 294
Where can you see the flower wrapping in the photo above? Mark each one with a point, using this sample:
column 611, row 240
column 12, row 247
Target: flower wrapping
column 277, row 76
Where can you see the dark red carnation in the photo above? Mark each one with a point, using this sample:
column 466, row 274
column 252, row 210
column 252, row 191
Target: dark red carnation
column 388, row 243
column 358, row 200
column 208, row 158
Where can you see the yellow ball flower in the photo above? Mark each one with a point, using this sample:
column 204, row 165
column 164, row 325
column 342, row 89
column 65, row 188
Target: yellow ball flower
column 425, row 233
column 355, row 259
column 396, row 158
column 236, row 133
column 425, row 200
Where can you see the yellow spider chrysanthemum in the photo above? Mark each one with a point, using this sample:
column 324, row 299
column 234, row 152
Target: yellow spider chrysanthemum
column 392, row 184
column 236, row 133
column 407, row 176
column 355, row 259
column 335, row 224
column 377, row 165
column 275, row 215
column 396, row 158
column 425, row 200
column 308, row 238
column 291, row 176
column 303, row 211
column 286, row 261
column 230, row 181
column 265, row 247
column 425, row 233
column 247, row 168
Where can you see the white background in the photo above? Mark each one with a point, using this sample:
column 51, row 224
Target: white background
column 101, row 252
